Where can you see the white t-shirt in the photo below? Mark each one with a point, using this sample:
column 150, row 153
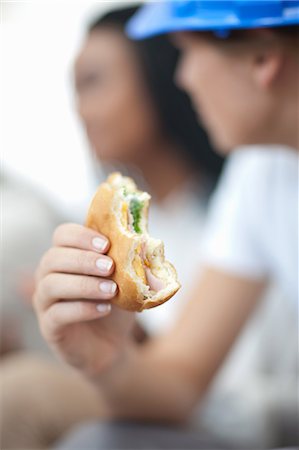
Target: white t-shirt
column 252, row 229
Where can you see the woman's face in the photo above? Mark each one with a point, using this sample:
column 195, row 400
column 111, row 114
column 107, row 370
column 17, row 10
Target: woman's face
column 113, row 102
column 224, row 91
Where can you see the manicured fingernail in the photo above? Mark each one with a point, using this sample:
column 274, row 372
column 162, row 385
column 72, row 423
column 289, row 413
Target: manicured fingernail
column 104, row 264
column 108, row 287
column 99, row 243
column 103, row 307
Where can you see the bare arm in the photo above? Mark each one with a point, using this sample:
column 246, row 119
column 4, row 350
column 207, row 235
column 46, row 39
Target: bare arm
column 159, row 380
column 166, row 377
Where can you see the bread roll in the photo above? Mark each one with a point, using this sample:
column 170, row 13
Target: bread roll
column 119, row 211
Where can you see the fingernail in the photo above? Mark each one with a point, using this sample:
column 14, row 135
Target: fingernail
column 103, row 307
column 108, row 287
column 104, row 264
column 99, row 243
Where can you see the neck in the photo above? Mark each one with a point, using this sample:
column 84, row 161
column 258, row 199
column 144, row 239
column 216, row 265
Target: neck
column 286, row 128
column 288, row 123
column 286, row 132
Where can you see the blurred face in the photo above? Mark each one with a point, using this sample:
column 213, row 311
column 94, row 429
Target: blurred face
column 113, row 102
column 227, row 90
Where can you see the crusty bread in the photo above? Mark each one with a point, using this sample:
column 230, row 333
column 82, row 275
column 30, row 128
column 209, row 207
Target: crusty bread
column 104, row 216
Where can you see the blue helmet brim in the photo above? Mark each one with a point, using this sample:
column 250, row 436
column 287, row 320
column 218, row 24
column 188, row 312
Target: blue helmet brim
column 157, row 18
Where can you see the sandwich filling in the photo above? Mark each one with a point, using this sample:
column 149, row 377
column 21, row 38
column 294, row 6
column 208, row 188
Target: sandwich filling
column 132, row 209
column 144, row 264
column 148, row 267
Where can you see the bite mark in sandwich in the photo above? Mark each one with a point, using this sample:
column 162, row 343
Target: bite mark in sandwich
column 119, row 211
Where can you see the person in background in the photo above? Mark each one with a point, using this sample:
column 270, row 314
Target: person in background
column 158, row 141
column 138, row 121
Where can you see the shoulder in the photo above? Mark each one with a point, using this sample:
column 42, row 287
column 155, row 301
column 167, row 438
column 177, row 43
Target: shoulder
column 253, row 174
column 255, row 191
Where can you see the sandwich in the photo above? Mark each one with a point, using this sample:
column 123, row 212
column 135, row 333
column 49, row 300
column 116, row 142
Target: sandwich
column 144, row 278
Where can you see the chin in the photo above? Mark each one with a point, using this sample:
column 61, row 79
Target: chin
column 105, row 153
column 222, row 145
column 109, row 155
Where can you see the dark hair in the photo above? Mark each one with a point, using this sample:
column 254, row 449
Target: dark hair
column 158, row 58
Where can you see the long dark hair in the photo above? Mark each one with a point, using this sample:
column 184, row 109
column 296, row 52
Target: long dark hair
column 158, row 59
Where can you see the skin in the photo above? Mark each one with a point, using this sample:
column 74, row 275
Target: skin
column 108, row 78
column 97, row 342
column 253, row 100
column 40, row 400
column 125, row 373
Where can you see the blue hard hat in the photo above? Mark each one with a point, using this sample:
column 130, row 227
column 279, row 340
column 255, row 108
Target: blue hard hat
column 219, row 16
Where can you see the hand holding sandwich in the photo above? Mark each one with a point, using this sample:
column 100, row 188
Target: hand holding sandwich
column 72, row 300
column 77, row 281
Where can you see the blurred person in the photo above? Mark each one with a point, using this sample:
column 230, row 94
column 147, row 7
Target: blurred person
column 236, row 271
column 158, row 141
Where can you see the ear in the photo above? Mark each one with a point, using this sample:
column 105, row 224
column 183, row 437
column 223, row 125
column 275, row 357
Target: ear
column 267, row 68
column 268, row 62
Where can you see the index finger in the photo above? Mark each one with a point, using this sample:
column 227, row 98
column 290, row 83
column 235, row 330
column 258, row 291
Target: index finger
column 78, row 236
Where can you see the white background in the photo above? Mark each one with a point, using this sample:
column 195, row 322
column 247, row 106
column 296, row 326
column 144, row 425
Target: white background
column 41, row 137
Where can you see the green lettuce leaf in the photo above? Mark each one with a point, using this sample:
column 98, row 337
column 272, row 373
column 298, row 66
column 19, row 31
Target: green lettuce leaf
column 136, row 209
